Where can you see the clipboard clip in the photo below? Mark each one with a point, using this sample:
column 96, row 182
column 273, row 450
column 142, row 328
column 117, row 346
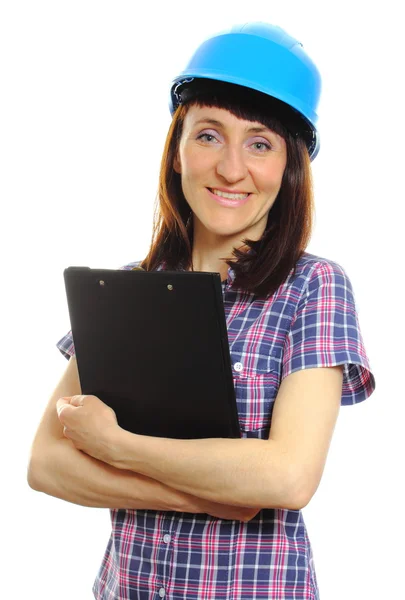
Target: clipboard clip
column 169, row 286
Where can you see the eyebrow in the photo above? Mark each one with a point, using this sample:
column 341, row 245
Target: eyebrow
column 256, row 129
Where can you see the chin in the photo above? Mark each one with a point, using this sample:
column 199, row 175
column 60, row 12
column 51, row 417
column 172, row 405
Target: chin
column 225, row 231
column 224, row 227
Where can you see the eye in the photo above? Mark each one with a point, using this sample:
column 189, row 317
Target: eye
column 207, row 137
column 262, row 146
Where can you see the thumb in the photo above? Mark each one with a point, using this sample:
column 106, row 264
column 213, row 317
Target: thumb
column 63, row 404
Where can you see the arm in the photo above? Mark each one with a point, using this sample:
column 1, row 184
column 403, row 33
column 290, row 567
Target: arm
column 58, row 468
column 282, row 472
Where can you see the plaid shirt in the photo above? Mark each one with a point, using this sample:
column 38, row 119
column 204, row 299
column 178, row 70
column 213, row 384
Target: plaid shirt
column 310, row 321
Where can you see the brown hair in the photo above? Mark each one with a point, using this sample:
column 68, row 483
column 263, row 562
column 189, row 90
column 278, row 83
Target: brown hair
column 269, row 260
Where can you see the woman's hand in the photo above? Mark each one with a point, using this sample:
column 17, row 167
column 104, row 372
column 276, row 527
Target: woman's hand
column 90, row 424
column 234, row 513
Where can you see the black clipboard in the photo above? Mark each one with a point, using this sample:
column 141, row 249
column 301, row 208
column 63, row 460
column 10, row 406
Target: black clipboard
column 154, row 346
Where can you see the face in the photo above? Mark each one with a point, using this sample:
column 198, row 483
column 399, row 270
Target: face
column 231, row 172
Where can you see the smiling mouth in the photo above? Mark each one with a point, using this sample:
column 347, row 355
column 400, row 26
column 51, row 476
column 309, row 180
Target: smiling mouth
column 227, row 199
column 228, row 195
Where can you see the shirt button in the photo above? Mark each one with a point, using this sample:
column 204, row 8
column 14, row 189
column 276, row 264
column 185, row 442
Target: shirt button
column 166, row 538
column 162, row 593
column 238, row 366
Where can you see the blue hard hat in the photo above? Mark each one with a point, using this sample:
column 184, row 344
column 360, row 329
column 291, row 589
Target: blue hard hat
column 264, row 58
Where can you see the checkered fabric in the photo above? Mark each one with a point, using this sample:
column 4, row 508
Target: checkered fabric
column 310, row 321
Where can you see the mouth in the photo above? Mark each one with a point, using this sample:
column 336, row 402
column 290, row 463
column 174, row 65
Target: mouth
column 229, row 198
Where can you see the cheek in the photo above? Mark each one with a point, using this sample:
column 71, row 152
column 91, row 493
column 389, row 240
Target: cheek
column 195, row 164
column 190, row 181
column 269, row 178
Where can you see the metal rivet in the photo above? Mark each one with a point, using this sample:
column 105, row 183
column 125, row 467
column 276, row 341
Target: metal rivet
column 170, row 287
column 101, row 282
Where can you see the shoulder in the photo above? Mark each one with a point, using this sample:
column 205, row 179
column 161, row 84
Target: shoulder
column 130, row 266
column 312, row 271
column 311, row 266
column 137, row 263
column 317, row 278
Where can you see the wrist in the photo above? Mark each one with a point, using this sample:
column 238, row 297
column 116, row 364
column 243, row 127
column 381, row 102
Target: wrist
column 122, row 449
column 114, row 443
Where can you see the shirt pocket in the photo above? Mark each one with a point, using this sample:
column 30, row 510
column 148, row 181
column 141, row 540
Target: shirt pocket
column 256, row 381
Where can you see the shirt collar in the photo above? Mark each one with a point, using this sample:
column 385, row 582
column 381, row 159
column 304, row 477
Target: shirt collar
column 231, row 276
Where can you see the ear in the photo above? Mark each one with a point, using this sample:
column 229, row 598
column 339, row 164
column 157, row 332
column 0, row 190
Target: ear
column 176, row 164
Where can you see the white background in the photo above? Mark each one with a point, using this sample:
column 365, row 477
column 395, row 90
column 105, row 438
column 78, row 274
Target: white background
column 84, row 115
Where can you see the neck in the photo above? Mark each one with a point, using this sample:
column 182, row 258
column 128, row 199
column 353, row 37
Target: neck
column 210, row 254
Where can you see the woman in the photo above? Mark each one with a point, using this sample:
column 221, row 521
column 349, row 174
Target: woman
column 221, row 518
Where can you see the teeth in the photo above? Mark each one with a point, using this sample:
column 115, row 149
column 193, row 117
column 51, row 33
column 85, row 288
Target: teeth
column 230, row 196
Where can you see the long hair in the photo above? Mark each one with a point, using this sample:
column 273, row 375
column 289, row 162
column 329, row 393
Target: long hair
column 268, row 262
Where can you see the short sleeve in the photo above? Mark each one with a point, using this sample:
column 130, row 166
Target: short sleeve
column 66, row 344
column 325, row 332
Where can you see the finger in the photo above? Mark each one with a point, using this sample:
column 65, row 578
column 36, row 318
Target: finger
column 77, row 400
column 64, row 409
column 61, row 404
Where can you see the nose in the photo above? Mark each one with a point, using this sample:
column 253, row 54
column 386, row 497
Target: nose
column 231, row 164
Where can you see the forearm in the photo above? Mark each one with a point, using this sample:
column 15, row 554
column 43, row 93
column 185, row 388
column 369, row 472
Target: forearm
column 74, row 476
column 239, row 472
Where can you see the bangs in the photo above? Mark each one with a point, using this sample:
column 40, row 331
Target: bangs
column 244, row 103
column 246, row 112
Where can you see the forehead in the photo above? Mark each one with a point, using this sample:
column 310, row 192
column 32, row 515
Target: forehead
column 199, row 113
